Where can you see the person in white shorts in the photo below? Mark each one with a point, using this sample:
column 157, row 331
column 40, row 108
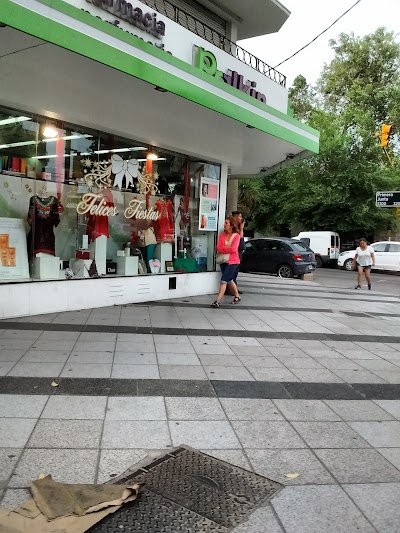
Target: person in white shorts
column 365, row 259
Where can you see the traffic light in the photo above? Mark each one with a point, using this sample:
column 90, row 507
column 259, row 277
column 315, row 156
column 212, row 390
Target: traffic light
column 384, row 136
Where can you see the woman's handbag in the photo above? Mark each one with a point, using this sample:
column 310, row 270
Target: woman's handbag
column 224, row 258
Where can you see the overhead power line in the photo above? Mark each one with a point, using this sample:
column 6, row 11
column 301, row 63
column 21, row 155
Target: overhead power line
column 319, row 35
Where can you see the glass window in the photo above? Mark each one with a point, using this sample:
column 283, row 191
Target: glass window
column 380, row 247
column 299, row 247
column 80, row 203
column 332, row 241
column 394, row 247
column 305, row 240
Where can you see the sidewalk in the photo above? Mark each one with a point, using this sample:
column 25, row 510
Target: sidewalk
column 297, row 379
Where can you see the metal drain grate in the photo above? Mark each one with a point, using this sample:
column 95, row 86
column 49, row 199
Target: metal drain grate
column 189, row 491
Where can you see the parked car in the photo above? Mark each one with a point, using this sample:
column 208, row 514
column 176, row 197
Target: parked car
column 325, row 245
column 387, row 256
column 278, row 255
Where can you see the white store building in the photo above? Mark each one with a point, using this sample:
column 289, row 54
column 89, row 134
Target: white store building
column 120, row 126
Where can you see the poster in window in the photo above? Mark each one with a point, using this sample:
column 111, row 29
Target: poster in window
column 208, row 213
column 13, row 252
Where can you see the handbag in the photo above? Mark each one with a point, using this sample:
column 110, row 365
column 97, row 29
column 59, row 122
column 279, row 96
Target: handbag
column 223, row 258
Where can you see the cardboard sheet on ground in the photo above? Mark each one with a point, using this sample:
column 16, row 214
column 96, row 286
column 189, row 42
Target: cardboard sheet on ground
column 29, row 519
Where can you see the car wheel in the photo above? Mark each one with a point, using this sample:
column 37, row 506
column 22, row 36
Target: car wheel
column 318, row 260
column 348, row 264
column 285, row 271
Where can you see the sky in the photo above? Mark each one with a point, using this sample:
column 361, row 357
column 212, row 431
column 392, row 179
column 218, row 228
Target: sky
column 308, row 18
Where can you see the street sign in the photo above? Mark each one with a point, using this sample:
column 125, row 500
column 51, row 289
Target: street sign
column 388, row 199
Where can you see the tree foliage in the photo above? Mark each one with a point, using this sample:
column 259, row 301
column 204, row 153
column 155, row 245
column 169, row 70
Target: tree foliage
column 335, row 190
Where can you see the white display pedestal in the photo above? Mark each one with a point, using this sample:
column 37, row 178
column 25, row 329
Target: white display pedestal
column 98, row 250
column 127, row 265
column 163, row 252
column 46, row 267
column 80, row 267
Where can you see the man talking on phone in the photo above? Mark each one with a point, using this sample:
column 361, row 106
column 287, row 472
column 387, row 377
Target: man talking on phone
column 237, row 215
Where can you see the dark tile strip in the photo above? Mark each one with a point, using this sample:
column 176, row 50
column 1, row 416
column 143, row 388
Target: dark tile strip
column 243, row 307
column 200, row 332
column 208, row 389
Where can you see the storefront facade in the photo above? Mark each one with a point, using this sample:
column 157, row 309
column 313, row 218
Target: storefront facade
column 118, row 129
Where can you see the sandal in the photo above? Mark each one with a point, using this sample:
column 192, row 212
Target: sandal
column 236, row 300
column 215, row 304
column 358, row 287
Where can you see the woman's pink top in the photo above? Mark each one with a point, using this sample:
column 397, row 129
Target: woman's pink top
column 232, row 249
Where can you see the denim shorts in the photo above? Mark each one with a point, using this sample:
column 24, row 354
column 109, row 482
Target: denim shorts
column 228, row 272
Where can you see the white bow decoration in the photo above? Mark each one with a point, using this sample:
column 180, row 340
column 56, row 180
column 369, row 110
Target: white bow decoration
column 124, row 169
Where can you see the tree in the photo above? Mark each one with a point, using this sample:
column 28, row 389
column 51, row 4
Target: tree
column 335, row 190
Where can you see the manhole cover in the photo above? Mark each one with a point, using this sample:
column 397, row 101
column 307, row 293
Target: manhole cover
column 189, row 491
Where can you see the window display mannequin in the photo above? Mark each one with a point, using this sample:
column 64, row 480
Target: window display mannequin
column 165, row 224
column 43, row 216
column 98, row 233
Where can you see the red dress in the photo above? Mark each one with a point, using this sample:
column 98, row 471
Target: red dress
column 97, row 225
column 165, row 228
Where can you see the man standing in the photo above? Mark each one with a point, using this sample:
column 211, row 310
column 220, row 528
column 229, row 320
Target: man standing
column 237, row 215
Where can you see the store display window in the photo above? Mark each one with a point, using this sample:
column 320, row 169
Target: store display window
column 79, row 203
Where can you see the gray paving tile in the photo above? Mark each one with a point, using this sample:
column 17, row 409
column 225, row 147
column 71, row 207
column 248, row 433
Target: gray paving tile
column 194, row 409
column 241, row 341
column 135, row 371
column 316, row 375
column 278, row 351
column 21, row 334
column 204, row 434
column 324, row 354
column 217, row 349
column 378, row 364
column 136, row 434
column 390, row 376
column 138, row 408
column 305, row 410
column 190, row 359
column 68, row 466
column 276, row 464
column 316, row 509
column 56, row 346
column 272, row 374
column 15, row 432
column 379, row 434
column 391, row 406
column 75, row 407
column 8, row 460
column 299, row 362
column 15, row 344
column 98, row 336
column 256, row 361
column 358, row 376
column 329, row 435
column 15, row 497
column 182, row 372
column 176, row 348
column 262, row 520
column 11, row 355
column 49, row 370
column 250, row 350
column 339, row 364
column 131, row 358
column 83, row 370
column 36, row 356
column 91, row 357
column 358, row 466
column 66, row 434
column 392, row 455
column 137, row 337
column 114, row 462
column 249, row 409
column 219, row 360
column 135, row 347
column 232, row 373
column 280, row 343
column 5, row 367
column 380, row 504
column 234, row 457
column 27, row 406
column 267, row 434
column 61, row 335
column 94, row 346
column 199, row 339
column 358, row 410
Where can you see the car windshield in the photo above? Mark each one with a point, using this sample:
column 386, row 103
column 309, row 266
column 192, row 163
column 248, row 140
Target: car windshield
column 300, row 247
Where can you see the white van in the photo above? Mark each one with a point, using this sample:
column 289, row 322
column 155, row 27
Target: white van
column 325, row 245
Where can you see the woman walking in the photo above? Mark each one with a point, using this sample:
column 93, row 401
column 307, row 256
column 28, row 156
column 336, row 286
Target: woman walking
column 228, row 258
column 365, row 259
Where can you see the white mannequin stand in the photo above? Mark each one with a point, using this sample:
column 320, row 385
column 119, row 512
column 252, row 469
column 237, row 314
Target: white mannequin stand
column 98, row 251
column 163, row 252
column 45, row 266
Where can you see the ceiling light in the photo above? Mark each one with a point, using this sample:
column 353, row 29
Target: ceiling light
column 156, row 159
column 134, row 149
column 50, row 132
column 66, row 138
column 152, row 156
column 13, row 120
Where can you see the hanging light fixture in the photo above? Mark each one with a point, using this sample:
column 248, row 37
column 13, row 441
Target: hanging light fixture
column 151, row 156
column 50, row 131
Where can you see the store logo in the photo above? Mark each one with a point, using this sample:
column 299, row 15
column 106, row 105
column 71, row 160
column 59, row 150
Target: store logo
column 207, row 62
column 133, row 15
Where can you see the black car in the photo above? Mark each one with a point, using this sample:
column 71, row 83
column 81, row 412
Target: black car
column 278, row 255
